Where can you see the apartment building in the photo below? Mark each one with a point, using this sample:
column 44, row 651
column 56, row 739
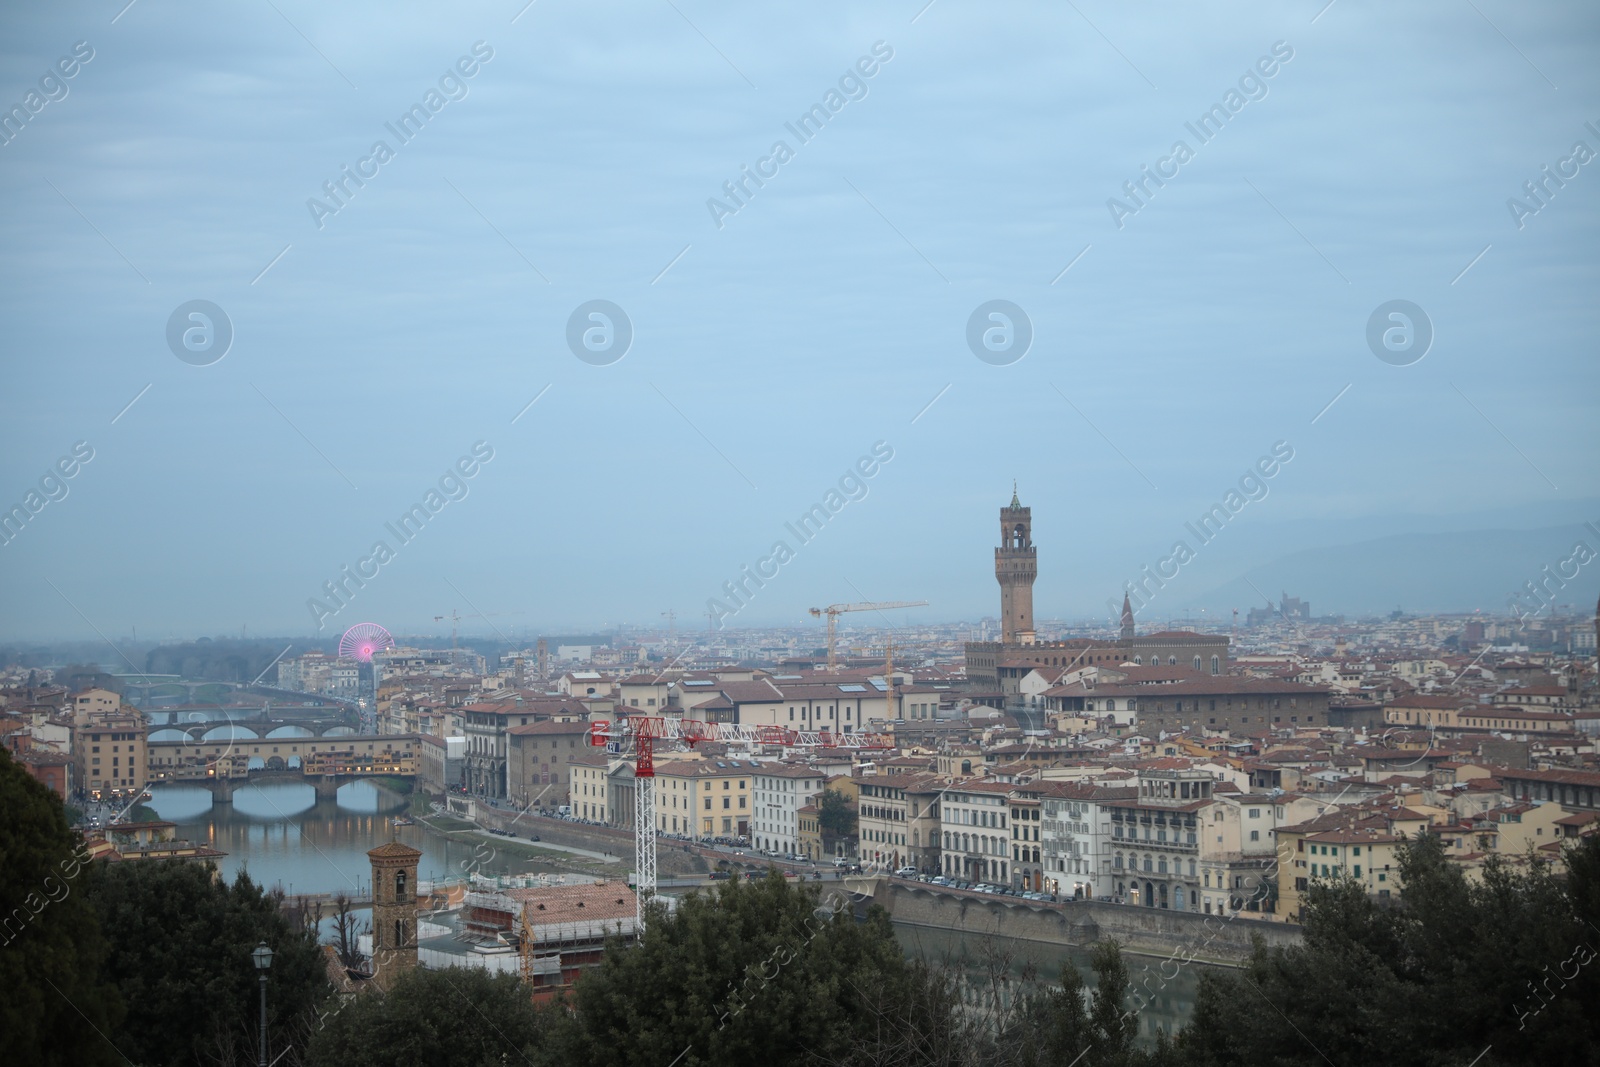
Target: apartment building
column 1238, row 850
column 1027, row 870
column 109, row 752
column 486, row 726
column 883, row 822
column 588, row 781
column 538, row 757
column 1354, row 843
column 780, row 791
column 1075, row 836
column 1155, row 839
column 705, row 797
column 976, row 831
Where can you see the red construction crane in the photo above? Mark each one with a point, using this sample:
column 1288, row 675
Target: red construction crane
column 637, row 735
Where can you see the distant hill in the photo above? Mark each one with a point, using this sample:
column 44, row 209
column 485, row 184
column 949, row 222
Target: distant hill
column 1443, row 572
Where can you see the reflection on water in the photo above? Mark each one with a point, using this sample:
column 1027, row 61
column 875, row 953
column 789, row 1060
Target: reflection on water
column 285, row 836
column 996, row 969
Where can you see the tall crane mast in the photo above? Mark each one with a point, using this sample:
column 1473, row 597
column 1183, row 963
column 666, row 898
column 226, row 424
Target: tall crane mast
column 888, row 680
column 833, row 611
column 455, row 618
column 639, row 733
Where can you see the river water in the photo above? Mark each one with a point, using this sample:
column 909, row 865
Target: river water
column 284, row 836
column 1162, row 992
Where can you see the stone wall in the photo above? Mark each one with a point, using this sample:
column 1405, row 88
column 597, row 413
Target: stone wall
column 1151, row 931
column 671, row 859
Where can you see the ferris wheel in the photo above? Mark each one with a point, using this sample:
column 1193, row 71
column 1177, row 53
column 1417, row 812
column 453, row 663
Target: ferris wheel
column 363, row 640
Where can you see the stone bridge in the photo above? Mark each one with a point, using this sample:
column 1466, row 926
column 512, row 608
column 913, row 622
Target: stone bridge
column 223, row 766
column 199, row 730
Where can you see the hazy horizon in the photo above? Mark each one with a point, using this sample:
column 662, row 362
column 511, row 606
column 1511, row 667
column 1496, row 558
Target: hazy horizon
column 386, row 334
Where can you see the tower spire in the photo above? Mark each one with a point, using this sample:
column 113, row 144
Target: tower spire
column 1127, row 618
column 1015, row 502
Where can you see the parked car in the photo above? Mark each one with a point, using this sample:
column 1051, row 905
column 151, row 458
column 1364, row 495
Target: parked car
column 719, row 876
column 906, row 872
column 533, row 837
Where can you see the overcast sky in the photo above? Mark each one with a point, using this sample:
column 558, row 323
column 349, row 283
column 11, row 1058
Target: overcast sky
column 379, row 334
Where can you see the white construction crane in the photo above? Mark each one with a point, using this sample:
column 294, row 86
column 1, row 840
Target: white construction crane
column 640, row 734
column 833, row 611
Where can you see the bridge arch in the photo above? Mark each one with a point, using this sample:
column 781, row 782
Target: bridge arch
column 339, row 731
column 230, row 732
column 290, row 731
column 171, row 734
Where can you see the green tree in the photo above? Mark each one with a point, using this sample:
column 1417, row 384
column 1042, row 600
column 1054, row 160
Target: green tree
column 758, row 973
column 181, row 942
column 448, row 1018
column 1067, row 1024
column 1446, row 972
column 56, row 1006
column 835, row 815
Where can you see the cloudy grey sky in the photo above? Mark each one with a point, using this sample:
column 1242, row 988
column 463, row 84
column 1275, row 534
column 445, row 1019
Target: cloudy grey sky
column 773, row 346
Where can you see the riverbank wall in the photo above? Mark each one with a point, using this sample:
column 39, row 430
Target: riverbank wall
column 1214, row 939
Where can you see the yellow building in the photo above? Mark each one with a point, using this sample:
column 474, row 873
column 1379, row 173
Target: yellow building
column 1337, row 845
column 1510, row 831
column 704, row 798
column 1517, row 720
column 590, row 775
column 1424, row 711
column 810, row 820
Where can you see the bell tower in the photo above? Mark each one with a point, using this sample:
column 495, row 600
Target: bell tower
column 394, row 910
column 1015, row 567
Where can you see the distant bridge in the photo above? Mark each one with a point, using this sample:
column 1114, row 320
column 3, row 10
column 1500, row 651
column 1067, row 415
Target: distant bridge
column 196, row 730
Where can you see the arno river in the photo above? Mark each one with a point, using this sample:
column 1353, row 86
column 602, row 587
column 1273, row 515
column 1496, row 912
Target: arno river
column 284, row 836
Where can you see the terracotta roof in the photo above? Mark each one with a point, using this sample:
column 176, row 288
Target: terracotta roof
column 1559, row 777
column 597, row 902
column 539, row 729
column 394, row 850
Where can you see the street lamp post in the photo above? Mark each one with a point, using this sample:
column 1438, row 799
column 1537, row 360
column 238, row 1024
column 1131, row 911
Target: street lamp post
column 263, row 959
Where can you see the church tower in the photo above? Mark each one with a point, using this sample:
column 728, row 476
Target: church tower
column 1127, row 618
column 1015, row 567
column 394, row 909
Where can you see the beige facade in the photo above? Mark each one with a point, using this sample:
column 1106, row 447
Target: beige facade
column 883, row 821
column 109, row 751
column 589, row 777
column 1238, row 845
column 705, row 798
column 538, row 756
column 1156, row 840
